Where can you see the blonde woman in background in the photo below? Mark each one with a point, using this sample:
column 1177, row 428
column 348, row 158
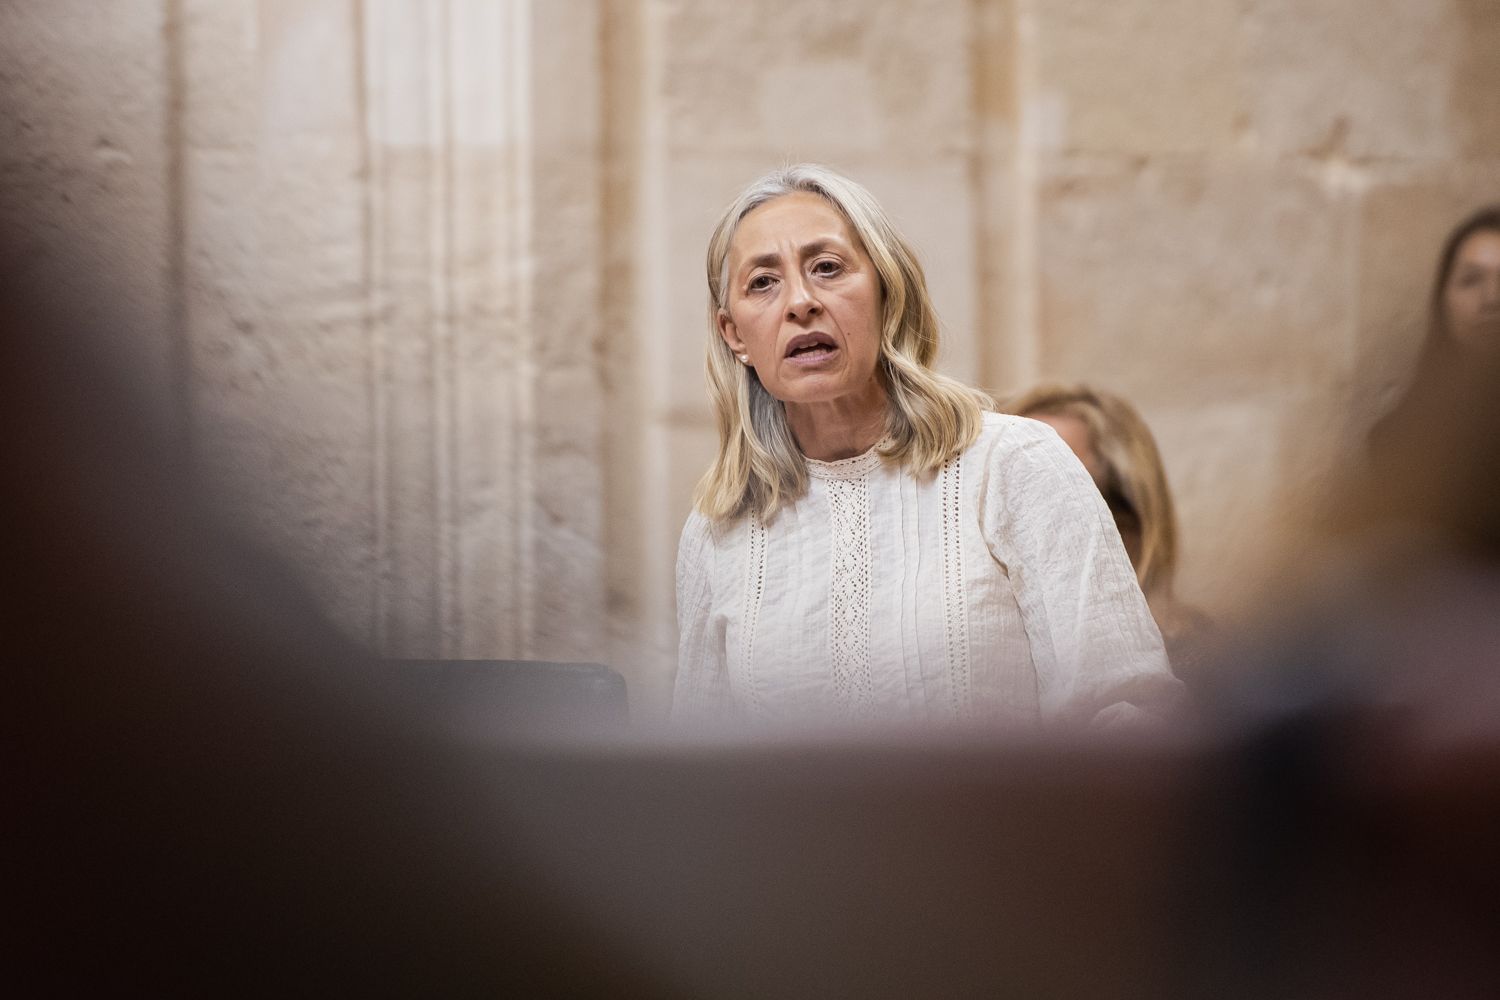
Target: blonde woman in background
column 871, row 542
column 1117, row 449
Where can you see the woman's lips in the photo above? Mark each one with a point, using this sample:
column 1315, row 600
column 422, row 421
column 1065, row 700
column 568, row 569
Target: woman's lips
column 810, row 349
column 811, row 356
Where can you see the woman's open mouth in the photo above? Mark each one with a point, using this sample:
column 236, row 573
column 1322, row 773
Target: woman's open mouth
column 810, row 349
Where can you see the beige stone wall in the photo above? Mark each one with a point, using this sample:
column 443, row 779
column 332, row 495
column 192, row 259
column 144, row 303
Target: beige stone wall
column 423, row 277
column 363, row 240
column 1239, row 204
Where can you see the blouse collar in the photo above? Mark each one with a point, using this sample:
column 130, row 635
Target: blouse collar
column 849, row 468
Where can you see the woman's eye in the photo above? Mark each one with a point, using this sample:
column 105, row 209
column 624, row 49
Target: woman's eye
column 760, row 282
column 827, row 267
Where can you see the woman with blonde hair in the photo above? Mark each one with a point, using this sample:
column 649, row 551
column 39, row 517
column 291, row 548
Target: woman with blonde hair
column 871, row 541
column 1117, row 448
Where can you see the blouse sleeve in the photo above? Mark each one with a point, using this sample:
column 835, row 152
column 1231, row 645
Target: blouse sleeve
column 701, row 690
column 1098, row 654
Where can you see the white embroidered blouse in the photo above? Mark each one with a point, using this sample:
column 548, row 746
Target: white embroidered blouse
column 994, row 589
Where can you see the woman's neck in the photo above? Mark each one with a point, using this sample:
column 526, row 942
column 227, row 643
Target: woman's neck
column 840, row 428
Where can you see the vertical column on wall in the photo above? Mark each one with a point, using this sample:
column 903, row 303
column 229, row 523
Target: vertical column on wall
column 1010, row 121
column 446, row 280
column 488, row 181
column 407, row 249
column 630, row 527
column 650, row 348
column 661, row 483
column 1003, row 181
column 1033, row 116
column 565, row 422
column 482, row 258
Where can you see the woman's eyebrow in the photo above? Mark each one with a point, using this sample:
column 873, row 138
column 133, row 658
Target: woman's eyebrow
column 771, row 258
column 768, row 259
column 819, row 246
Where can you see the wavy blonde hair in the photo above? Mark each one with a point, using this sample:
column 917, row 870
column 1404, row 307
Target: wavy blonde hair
column 1135, row 481
column 929, row 417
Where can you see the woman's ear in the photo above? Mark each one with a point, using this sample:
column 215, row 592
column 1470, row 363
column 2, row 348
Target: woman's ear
column 729, row 332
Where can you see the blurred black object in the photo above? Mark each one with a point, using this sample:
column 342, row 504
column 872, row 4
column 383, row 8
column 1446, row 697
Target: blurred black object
column 484, row 700
column 206, row 791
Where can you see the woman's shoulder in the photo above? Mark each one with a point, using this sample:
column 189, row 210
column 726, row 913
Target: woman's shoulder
column 695, row 558
column 1023, row 461
column 703, row 535
column 1003, row 433
column 996, row 422
column 698, row 532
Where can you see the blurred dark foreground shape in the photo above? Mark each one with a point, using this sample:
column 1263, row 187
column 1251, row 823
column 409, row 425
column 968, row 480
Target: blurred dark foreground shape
column 478, row 700
column 208, row 794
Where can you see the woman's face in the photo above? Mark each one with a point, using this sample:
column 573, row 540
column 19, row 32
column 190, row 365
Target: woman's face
column 803, row 301
column 1471, row 298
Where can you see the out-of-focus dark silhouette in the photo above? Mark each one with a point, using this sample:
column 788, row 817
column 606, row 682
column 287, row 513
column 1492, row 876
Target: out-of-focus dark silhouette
column 477, row 701
column 208, row 792
column 1373, row 693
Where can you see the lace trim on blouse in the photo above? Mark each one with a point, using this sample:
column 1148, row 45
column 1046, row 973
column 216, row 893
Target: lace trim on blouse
column 848, row 468
column 955, row 608
column 850, row 591
column 755, row 586
column 849, row 595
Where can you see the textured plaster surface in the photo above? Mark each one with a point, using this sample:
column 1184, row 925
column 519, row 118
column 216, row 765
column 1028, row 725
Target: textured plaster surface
column 1238, row 206
column 363, row 239
column 84, row 173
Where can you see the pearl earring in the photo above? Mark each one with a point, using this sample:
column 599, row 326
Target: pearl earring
column 744, row 359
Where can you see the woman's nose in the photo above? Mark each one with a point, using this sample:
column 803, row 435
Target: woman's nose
column 801, row 302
